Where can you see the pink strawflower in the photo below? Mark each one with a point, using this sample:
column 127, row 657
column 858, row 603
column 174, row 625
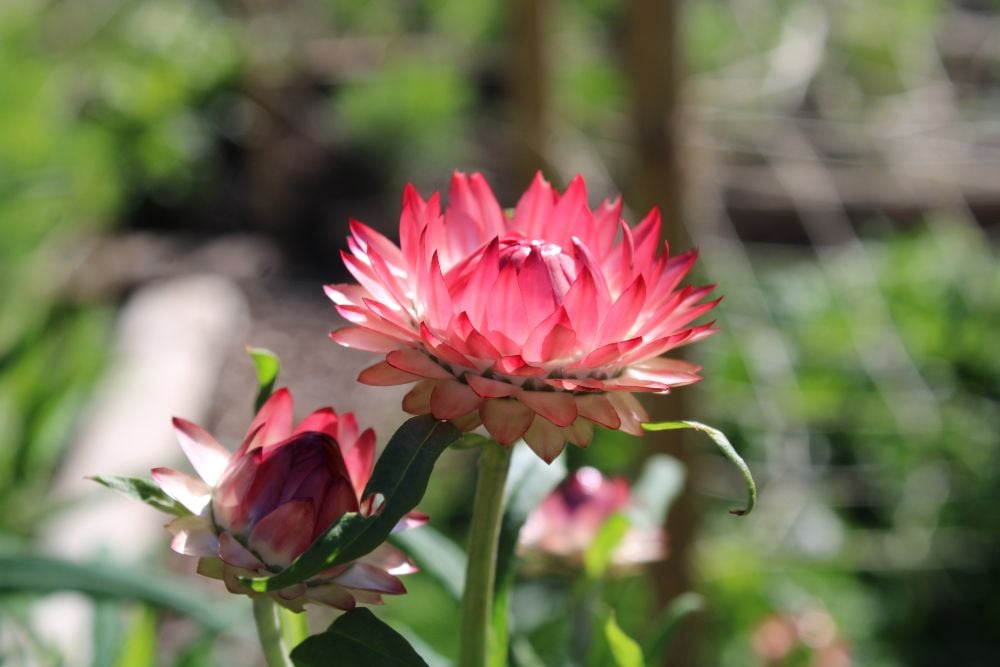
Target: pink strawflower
column 538, row 325
column 566, row 523
column 256, row 510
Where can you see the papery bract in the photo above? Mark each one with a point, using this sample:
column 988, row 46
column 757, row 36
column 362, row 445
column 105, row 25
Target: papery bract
column 256, row 510
column 566, row 522
column 538, row 325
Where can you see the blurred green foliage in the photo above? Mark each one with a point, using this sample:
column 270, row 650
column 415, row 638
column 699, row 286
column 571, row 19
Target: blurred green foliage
column 885, row 467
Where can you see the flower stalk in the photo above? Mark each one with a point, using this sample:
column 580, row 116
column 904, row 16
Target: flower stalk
column 269, row 631
column 476, row 641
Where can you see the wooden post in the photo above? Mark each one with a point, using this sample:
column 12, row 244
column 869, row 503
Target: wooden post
column 527, row 79
column 653, row 67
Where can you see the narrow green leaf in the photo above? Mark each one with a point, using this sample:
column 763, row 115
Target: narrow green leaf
column 727, row 449
column 267, row 366
column 655, row 645
column 357, row 638
column 436, row 556
column 599, row 554
column 139, row 647
column 624, row 650
column 44, row 574
column 142, row 489
column 400, row 478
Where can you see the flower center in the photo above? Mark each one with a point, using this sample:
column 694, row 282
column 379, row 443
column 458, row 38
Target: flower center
column 547, row 262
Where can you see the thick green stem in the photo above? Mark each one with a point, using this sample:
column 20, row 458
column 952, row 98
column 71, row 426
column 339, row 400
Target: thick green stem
column 477, row 601
column 265, row 614
column 294, row 627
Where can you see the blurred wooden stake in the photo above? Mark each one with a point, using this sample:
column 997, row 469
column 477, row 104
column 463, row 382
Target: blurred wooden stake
column 528, row 78
column 652, row 63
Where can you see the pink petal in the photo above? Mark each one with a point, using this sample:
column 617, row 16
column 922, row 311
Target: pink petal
column 451, row 399
column 552, row 339
column 284, row 533
column 598, row 409
column 571, row 214
column 534, row 209
column 418, row 400
column 324, row 420
column 580, row 432
column 557, row 407
column 274, row 419
column 612, row 354
column 647, row 238
column 506, row 312
column 374, row 240
column 623, row 314
column 192, row 493
column 545, row 439
column 208, row 457
column 437, row 300
column 384, row 375
column 630, row 411
column 232, row 552
column 418, row 363
column 369, row 578
column 193, row 536
column 389, row 559
column 360, row 338
column 506, row 419
column 537, row 291
column 516, row 365
column 360, row 459
column 331, row 595
column 488, row 388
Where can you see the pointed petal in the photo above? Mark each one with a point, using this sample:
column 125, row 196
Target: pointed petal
column 598, row 409
column 284, row 533
column 208, row 457
column 274, row 420
column 384, row 375
column 389, row 559
column 192, row 493
column 359, row 338
column 451, row 399
column 488, row 388
column 545, row 439
column 233, row 553
column 534, row 209
column 557, row 407
column 580, row 432
column 630, row 411
column 418, row 363
column 331, row 595
column 193, row 536
column 324, row 420
column 506, row 419
column 369, row 578
column 360, row 459
column 418, row 400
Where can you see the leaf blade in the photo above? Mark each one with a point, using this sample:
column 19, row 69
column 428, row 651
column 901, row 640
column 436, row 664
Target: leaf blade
column 357, row 638
column 143, row 490
column 724, row 446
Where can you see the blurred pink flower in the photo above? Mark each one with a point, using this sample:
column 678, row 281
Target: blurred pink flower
column 565, row 524
column 538, row 324
column 256, row 510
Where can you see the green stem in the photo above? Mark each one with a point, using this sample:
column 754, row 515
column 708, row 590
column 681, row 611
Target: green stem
column 265, row 614
column 294, row 627
column 477, row 601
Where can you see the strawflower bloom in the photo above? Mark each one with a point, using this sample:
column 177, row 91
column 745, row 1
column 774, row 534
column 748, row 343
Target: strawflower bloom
column 255, row 511
column 538, row 325
column 566, row 522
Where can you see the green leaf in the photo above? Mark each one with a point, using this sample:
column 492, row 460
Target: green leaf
column 598, row 557
column 268, row 366
column 44, row 574
column 625, row 651
column 357, row 638
column 400, row 479
column 727, row 449
column 142, row 489
column 529, row 480
column 654, row 647
column 436, row 556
